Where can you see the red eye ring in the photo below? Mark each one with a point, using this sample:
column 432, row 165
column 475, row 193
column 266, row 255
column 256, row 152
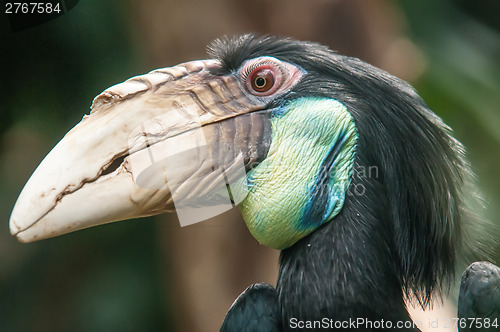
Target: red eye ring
column 264, row 80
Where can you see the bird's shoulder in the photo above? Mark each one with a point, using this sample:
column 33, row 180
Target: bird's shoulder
column 480, row 293
column 255, row 310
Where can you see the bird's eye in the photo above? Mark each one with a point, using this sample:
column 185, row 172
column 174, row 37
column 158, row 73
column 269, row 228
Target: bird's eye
column 261, row 80
column 267, row 76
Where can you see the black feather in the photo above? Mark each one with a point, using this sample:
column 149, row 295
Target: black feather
column 480, row 298
column 255, row 310
column 402, row 235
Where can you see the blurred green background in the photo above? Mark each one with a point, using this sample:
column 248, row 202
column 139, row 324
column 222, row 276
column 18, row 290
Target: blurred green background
column 148, row 275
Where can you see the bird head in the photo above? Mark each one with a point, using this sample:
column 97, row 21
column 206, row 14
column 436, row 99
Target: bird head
column 273, row 125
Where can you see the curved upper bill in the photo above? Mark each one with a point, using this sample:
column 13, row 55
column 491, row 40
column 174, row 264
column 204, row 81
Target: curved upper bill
column 180, row 124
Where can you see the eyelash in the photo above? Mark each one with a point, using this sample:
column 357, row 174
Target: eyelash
column 247, row 70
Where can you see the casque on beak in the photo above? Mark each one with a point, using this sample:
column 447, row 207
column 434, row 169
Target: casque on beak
column 178, row 134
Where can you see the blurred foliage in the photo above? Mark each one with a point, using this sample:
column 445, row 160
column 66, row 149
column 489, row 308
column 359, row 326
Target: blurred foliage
column 104, row 280
column 461, row 40
column 109, row 279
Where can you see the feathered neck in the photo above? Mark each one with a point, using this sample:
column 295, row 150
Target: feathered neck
column 346, row 269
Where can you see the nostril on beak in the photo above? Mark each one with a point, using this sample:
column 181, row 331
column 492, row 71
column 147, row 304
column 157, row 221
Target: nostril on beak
column 115, row 164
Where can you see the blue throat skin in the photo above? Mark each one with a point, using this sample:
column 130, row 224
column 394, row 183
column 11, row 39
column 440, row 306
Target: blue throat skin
column 303, row 181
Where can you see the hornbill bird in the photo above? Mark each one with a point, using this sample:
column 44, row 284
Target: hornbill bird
column 338, row 164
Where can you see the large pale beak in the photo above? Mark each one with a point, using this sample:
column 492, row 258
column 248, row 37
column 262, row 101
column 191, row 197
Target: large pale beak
column 149, row 143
